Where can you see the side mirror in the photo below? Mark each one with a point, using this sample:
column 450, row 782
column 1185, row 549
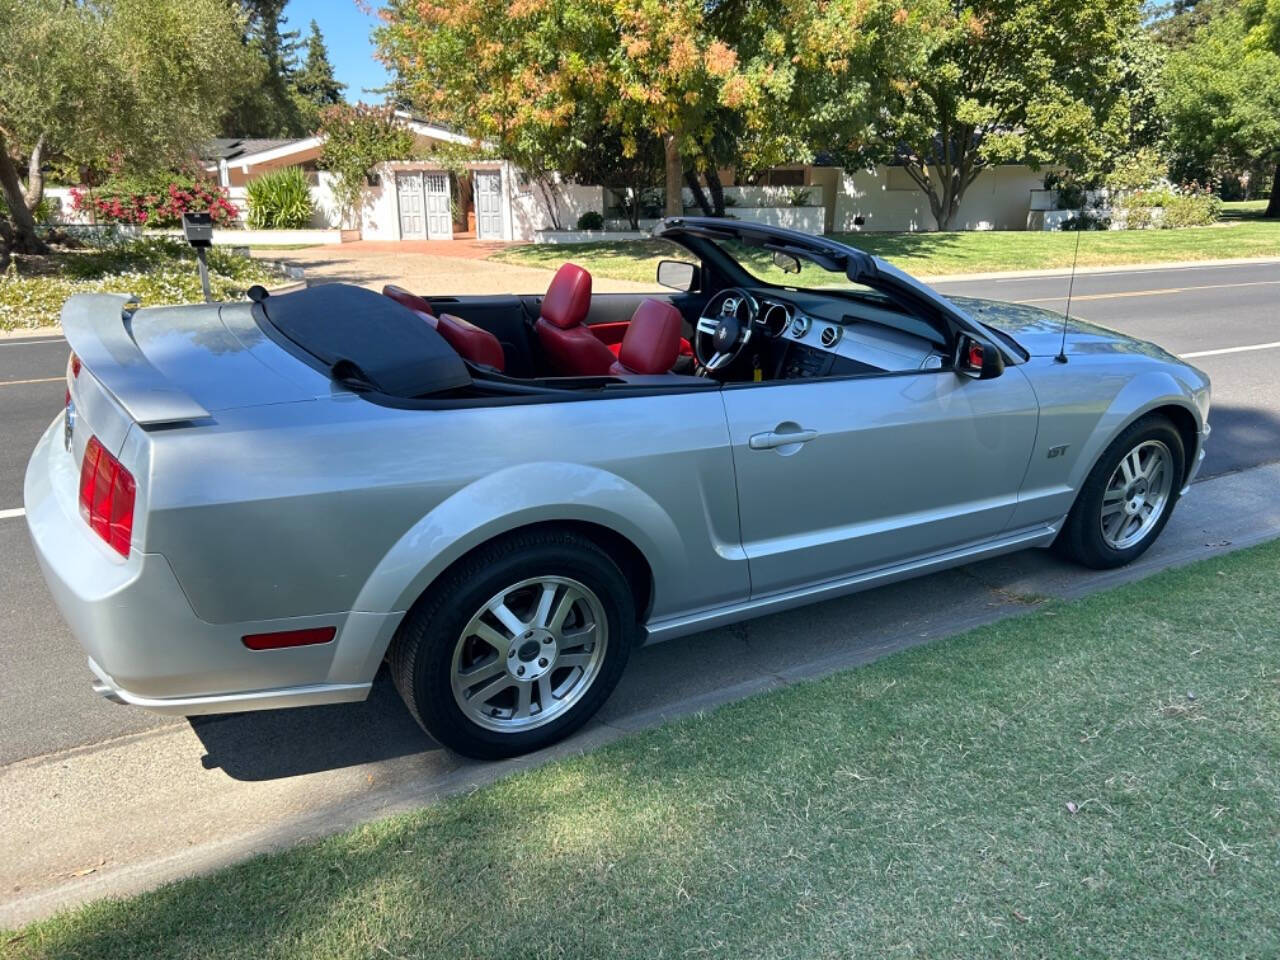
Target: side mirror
column 977, row 360
column 678, row 275
column 786, row 262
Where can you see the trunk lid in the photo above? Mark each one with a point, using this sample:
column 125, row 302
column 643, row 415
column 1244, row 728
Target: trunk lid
column 164, row 365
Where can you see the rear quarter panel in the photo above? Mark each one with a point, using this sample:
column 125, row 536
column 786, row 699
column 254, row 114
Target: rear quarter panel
column 339, row 504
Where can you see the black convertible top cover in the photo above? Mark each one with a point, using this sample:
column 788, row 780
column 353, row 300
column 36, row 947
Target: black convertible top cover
column 356, row 334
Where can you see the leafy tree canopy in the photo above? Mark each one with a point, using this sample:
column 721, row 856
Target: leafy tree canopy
column 1221, row 96
column 117, row 84
column 356, row 139
column 996, row 81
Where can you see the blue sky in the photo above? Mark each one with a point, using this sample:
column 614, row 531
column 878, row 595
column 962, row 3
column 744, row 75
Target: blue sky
column 346, row 31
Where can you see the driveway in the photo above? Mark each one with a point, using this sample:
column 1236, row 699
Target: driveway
column 439, row 267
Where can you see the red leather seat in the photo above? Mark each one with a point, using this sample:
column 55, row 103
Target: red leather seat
column 471, row 342
column 652, row 341
column 570, row 347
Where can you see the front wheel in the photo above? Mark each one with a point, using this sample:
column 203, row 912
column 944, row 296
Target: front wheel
column 516, row 646
column 1128, row 496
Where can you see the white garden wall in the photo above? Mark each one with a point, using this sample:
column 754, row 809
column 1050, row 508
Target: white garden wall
column 998, row 200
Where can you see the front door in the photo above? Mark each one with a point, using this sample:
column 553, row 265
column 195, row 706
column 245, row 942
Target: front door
column 409, row 192
column 841, row 476
column 439, row 217
column 488, row 204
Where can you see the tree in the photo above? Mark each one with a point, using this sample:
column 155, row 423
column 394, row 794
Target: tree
column 314, row 83
column 356, row 139
column 266, row 106
column 1221, row 97
column 963, row 87
column 548, row 81
column 115, row 84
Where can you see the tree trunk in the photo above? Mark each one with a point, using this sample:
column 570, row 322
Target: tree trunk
column 35, row 176
column 674, row 205
column 700, row 198
column 24, row 238
column 717, row 191
column 1273, row 205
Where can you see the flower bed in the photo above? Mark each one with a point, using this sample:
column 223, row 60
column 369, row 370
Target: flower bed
column 159, row 271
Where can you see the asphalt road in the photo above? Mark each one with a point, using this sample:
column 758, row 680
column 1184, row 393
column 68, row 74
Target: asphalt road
column 1225, row 319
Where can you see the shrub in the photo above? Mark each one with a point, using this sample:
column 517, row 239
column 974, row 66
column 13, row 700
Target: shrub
column 1187, row 206
column 280, row 200
column 591, row 221
column 1192, row 210
column 799, row 197
column 155, row 202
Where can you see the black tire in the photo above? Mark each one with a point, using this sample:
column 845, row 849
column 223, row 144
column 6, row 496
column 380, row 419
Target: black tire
column 421, row 655
column 1081, row 538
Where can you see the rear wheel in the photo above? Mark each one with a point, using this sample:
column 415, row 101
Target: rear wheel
column 1128, row 496
column 516, row 646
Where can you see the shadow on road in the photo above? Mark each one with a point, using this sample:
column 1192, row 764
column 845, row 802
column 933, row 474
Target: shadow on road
column 271, row 744
column 1242, row 437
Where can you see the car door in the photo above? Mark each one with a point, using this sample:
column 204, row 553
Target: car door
column 838, row 476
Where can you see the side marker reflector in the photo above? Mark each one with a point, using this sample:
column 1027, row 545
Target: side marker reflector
column 289, row 638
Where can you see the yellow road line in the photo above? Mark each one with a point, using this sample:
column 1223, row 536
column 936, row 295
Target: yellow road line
column 1151, row 293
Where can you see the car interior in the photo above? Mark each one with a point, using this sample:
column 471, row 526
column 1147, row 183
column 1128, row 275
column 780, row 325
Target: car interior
column 718, row 323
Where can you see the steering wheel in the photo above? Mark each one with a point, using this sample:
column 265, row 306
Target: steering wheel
column 724, row 328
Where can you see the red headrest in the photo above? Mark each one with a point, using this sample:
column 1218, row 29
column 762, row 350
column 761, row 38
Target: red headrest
column 652, row 342
column 412, row 301
column 568, row 298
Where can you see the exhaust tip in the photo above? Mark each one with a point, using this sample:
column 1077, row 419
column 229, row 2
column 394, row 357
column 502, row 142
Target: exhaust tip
column 105, row 692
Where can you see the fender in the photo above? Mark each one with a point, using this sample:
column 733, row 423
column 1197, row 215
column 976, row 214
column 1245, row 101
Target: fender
column 1052, row 482
column 1139, row 397
column 517, row 497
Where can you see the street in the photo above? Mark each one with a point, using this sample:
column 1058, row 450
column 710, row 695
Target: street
column 1225, row 319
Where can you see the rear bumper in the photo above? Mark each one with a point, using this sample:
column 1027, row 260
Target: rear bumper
column 145, row 644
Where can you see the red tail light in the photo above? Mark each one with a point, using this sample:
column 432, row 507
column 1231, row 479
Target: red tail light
column 106, row 497
column 75, row 366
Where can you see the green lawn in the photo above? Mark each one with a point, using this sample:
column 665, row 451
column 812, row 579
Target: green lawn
column 1244, row 209
column 934, row 254
column 1093, row 779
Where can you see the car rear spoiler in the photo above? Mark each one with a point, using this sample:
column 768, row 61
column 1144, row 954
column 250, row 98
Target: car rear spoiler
column 98, row 328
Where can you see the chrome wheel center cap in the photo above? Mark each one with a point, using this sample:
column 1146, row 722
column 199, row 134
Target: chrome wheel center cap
column 532, row 654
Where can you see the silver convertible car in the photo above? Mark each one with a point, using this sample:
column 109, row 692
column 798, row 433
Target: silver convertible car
column 255, row 505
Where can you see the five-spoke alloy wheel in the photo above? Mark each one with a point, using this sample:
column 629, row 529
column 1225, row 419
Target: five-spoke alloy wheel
column 517, row 644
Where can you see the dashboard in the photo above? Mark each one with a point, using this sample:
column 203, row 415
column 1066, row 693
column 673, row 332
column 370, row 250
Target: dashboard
column 808, row 341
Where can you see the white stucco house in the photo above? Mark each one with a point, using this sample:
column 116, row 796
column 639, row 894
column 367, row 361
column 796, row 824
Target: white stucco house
column 493, row 200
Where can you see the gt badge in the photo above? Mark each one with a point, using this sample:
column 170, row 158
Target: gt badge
column 1058, row 451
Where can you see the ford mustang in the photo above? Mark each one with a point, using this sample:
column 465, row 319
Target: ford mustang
column 255, row 505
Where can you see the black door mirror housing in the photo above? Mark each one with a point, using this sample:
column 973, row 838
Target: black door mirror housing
column 978, row 360
column 679, row 275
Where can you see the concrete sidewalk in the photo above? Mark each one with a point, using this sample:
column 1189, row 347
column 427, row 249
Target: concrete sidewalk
column 129, row 814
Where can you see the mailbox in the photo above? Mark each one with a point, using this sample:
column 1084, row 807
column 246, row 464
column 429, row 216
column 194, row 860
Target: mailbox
column 199, row 229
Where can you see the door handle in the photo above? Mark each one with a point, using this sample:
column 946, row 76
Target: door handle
column 777, row 438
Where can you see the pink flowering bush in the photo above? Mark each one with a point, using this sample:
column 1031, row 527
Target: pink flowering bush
column 154, row 203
